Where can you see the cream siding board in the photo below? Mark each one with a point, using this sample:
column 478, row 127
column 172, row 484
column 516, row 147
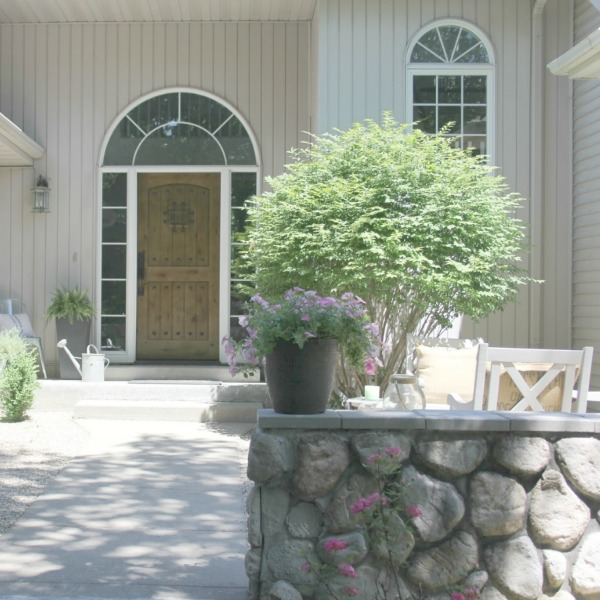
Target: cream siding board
column 361, row 75
column 65, row 84
column 586, row 199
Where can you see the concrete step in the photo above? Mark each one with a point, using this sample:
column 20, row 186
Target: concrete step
column 198, row 401
column 175, row 371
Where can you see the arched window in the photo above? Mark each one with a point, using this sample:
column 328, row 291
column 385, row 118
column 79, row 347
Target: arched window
column 450, row 84
column 179, row 128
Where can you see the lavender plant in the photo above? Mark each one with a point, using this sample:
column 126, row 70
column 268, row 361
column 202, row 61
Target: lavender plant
column 298, row 316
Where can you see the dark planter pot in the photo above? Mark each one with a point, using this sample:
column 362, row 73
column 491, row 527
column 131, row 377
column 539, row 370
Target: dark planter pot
column 300, row 381
column 77, row 335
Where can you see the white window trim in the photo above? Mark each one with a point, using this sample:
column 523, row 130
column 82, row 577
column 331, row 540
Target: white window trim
column 436, row 68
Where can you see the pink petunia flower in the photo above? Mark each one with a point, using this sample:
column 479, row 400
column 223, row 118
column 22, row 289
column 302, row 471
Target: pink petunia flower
column 370, row 366
column 457, row 596
column 331, row 545
column 393, row 451
column 359, row 505
column 305, row 568
column 351, row 591
column 374, row 458
column 347, row 570
column 413, row 511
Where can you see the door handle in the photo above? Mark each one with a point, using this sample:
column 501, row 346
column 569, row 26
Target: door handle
column 141, row 272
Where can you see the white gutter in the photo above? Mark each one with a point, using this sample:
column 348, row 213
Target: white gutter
column 580, row 62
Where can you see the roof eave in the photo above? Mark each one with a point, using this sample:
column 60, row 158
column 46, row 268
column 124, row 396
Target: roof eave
column 580, row 62
column 21, row 150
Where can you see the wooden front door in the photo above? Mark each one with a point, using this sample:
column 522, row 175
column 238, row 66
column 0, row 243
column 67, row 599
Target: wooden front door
column 178, row 266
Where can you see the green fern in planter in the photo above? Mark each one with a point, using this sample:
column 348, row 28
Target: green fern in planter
column 70, row 304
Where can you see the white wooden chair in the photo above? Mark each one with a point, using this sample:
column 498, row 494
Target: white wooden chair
column 572, row 367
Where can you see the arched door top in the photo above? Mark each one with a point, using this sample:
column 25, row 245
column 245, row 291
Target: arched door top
column 179, row 127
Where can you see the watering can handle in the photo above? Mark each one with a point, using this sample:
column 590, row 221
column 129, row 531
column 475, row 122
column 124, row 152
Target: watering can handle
column 94, row 347
column 106, row 362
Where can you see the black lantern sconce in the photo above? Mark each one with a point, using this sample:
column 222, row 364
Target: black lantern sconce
column 41, row 196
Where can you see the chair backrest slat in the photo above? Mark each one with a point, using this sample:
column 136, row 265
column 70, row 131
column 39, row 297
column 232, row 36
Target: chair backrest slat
column 575, row 364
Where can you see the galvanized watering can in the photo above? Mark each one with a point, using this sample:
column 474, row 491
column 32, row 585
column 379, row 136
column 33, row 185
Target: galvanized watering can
column 93, row 364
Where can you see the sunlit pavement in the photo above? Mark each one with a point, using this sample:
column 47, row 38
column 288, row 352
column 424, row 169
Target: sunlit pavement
column 148, row 510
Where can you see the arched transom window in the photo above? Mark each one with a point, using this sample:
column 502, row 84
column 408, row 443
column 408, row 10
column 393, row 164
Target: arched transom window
column 450, row 81
column 179, row 128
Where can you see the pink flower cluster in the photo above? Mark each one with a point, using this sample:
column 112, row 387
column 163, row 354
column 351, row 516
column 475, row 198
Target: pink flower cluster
column 363, row 504
column 331, row 545
column 413, row 511
column 347, row 570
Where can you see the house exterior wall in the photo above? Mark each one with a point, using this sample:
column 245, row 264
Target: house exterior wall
column 586, row 197
column 362, row 56
column 65, row 84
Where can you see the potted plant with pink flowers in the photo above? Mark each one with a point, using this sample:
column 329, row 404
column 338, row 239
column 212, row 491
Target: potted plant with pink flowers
column 300, row 337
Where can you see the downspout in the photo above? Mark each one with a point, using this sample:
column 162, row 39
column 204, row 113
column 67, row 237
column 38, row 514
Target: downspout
column 537, row 182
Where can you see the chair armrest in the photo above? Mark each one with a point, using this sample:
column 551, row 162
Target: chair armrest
column 457, row 403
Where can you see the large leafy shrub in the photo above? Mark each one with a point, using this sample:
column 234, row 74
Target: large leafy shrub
column 18, row 380
column 421, row 230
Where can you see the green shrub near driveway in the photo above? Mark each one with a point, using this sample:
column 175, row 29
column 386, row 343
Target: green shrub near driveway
column 421, row 230
column 18, row 380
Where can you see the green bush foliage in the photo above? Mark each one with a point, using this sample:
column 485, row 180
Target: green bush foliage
column 18, row 380
column 421, row 230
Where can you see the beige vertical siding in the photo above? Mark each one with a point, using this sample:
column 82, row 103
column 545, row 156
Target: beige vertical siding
column 361, row 74
column 586, row 200
column 64, row 84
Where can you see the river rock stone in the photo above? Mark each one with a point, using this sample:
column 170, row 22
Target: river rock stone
column 585, row 575
column 498, row 504
column 322, row 459
column 449, row 458
column 364, row 585
column 253, row 510
column 557, row 517
column 476, row 581
column 338, row 515
column 579, row 459
column 354, row 552
column 269, row 457
column 393, row 544
column 562, row 595
column 442, row 566
column 442, row 507
column 555, row 568
column 252, row 563
column 490, row 592
column 274, row 509
column 370, row 444
column 287, row 559
column 514, row 568
column 282, row 590
column 523, row 456
column 304, row 520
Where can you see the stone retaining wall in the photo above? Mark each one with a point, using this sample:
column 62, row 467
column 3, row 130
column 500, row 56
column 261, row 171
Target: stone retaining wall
column 509, row 505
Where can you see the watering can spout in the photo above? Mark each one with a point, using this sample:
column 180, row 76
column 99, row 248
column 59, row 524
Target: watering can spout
column 63, row 344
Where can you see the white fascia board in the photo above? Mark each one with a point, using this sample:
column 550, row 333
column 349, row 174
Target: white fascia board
column 23, row 147
column 580, row 62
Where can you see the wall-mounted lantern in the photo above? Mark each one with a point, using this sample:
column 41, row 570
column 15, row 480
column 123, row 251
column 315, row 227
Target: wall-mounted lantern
column 41, row 196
